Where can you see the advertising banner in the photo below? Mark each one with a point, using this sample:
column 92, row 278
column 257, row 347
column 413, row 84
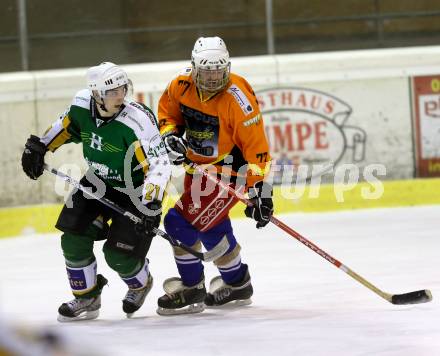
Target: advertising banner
column 307, row 128
column 329, row 126
column 426, row 116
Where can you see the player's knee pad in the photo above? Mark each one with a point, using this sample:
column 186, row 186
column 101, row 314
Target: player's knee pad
column 77, row 249
column 123, row 238
column 181, row 253
column 98, row 230
column 130, row 246
column 121, row 262
column 230, row 259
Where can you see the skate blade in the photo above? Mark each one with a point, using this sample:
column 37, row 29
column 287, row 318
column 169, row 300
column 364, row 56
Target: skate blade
column 88, row 315
column 231, row 305
column 148, row 289
column 190, row 309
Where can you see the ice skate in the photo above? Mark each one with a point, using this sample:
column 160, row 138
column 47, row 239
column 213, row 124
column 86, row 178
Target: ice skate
column 82, row 308
column 180, row 299
column 221, row 294
column 135, row 298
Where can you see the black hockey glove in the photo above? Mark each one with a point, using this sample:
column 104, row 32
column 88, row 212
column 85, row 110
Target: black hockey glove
column 261, row 196
column 151, row 220
column 176, row 148
column 32, row 159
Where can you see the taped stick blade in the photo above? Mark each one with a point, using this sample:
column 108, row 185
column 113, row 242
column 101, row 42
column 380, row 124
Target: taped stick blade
column 417, row 297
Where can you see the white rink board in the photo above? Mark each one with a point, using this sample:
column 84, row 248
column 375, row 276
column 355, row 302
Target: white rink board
column 374, row 83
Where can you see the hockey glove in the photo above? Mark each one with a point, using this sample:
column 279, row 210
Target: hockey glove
column 32, row 159
column 261, row 197
column 176, row 148
column 151, row 220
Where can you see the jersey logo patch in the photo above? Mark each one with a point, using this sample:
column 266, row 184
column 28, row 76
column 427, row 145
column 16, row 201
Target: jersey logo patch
column 253, row 121
column 186, row 71
column 241, row 99
column 95, row 142
column 202, row 131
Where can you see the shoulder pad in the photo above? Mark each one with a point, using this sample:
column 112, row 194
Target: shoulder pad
column 185, row 72
column 82, row 99
column 141, row 110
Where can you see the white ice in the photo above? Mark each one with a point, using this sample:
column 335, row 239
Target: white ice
column 302, row 305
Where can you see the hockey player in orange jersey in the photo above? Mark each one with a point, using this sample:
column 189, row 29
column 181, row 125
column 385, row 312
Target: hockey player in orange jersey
column 208, row 115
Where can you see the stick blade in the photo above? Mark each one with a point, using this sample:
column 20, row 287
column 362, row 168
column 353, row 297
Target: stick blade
column 417, row 297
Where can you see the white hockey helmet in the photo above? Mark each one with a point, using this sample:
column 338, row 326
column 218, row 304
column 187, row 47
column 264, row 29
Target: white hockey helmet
column 107, row 76
column 211, row 65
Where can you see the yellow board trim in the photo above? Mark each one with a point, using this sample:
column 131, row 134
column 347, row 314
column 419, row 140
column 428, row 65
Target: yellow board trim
column 42, row 218
column 29, row 219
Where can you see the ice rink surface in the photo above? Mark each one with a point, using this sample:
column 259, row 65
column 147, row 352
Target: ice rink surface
column 302, row 304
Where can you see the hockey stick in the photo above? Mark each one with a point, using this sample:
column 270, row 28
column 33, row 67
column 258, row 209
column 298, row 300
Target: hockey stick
column 420, row 296
column 208, row 256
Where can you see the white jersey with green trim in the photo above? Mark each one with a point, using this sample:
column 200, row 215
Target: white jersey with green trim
column 124, row 151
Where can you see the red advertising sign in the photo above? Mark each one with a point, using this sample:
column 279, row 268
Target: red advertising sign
column 426, row 104
column 307, row 127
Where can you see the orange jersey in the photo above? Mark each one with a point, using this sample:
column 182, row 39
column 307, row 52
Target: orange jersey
column 227, row 124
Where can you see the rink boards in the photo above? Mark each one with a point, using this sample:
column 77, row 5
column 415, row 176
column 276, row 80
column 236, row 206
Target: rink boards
column 326, row 197
column 354, row 109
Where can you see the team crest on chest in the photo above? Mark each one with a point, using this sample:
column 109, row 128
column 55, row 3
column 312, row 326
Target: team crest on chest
column 96, row 142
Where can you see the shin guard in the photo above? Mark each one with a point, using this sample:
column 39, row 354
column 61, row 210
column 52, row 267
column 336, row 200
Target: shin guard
column 140, row 279
column 82, row 279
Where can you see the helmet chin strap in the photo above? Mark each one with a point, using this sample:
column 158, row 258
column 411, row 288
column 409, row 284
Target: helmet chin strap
column 102, row 109
column 100, row 103
column 102, row 106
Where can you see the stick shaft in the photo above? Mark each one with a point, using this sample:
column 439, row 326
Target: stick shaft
column 208, row 256
column 297, row 236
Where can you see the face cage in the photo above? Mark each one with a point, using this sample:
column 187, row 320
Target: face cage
column 211, row 80
column 128, row 92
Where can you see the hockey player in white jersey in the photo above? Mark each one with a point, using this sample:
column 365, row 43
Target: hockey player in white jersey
column 123, row 148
